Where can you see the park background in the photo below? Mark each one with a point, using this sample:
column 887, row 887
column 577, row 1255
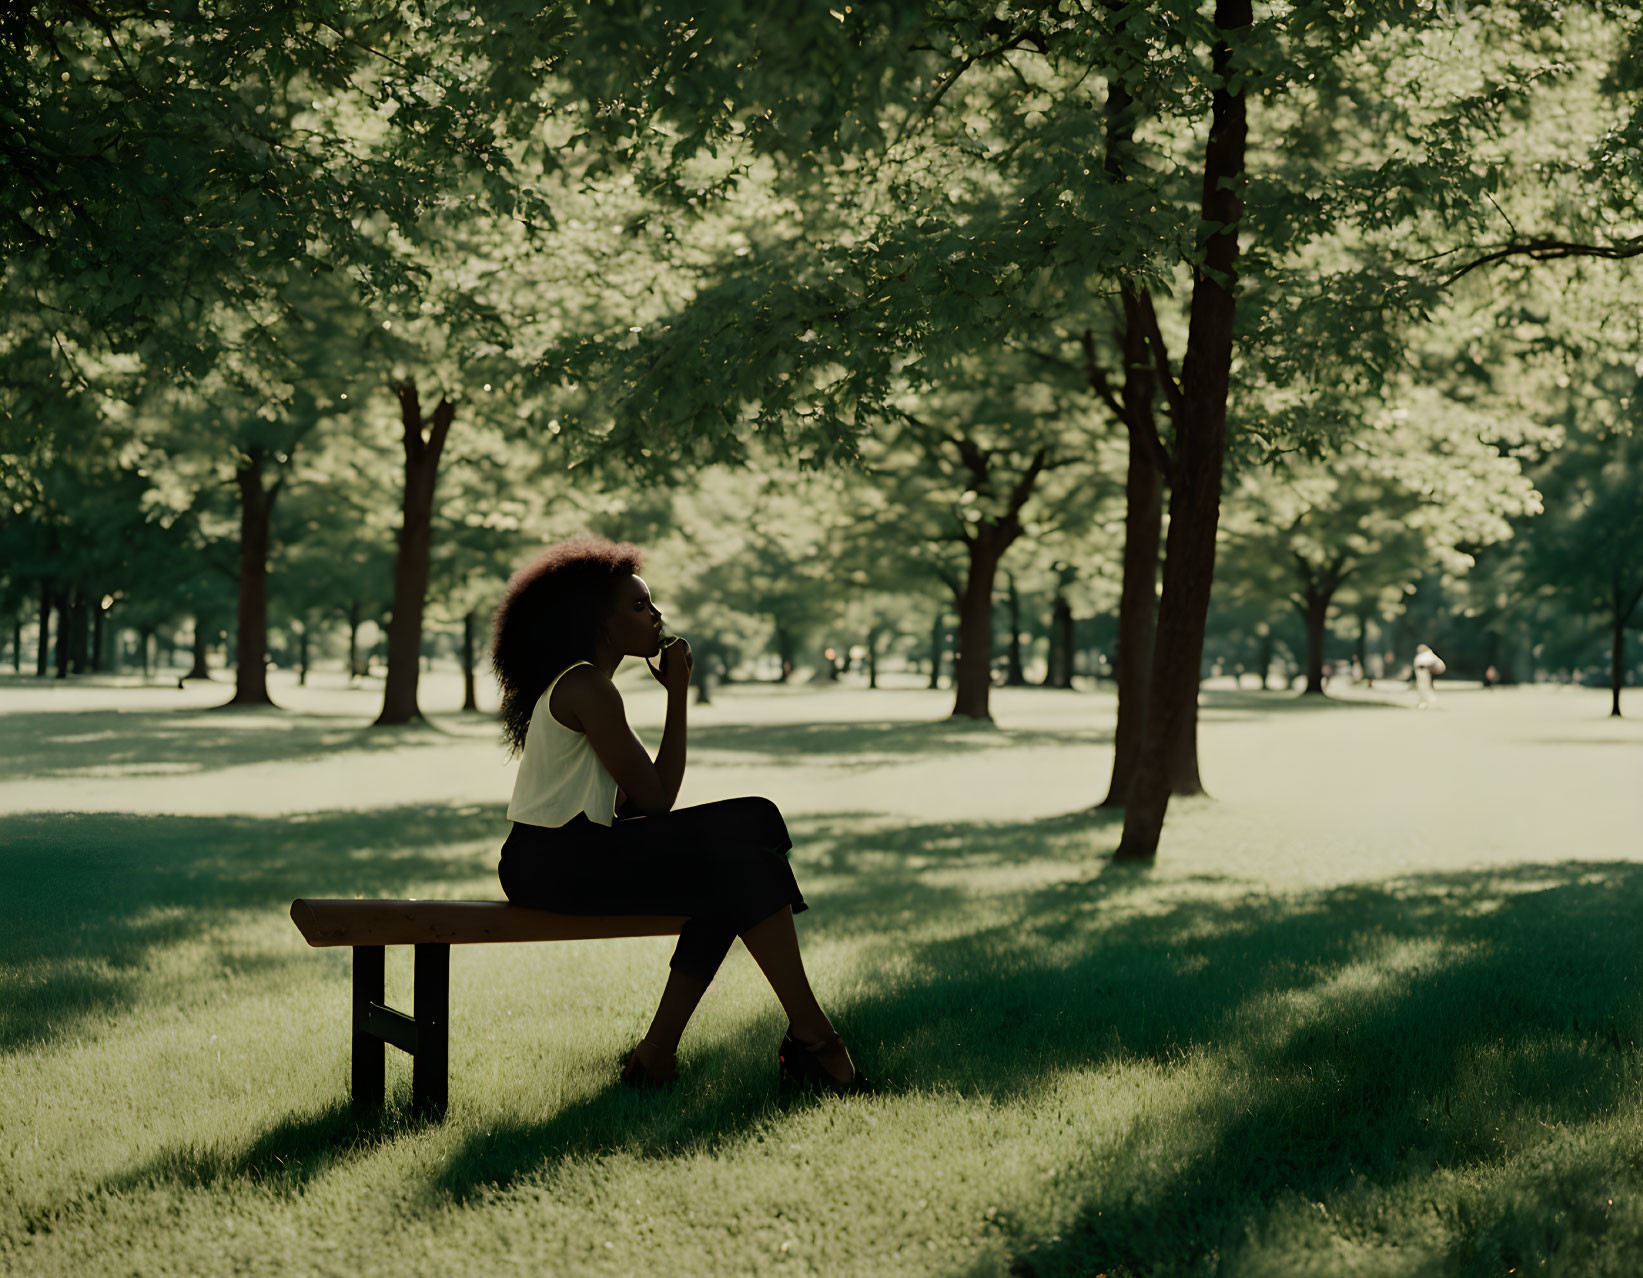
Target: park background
column 1035, row 416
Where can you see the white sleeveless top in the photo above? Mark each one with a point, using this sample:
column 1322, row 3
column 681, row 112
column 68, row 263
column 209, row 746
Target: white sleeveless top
column 559, row 774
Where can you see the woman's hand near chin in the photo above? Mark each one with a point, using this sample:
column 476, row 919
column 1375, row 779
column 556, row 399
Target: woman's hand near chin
column 676, row 664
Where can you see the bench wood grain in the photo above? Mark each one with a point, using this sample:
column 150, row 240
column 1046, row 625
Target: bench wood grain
column 325, row 922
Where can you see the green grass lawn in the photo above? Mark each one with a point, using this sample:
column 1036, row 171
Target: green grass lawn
column 1376, row 1010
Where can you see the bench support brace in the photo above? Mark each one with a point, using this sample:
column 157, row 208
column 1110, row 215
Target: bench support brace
column 424, row 1034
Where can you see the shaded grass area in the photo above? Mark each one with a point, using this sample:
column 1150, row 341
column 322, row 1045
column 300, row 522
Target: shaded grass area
column 1087, row 1068
column 187, row 740
column 867, row 743
column 1369, row 1040
column 89, row 897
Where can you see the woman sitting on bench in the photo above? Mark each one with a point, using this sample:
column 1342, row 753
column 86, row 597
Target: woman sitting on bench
column 595, row 830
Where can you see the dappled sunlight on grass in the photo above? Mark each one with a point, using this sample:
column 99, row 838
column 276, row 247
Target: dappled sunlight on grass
column 1070, row 1082
column 1085, row 1067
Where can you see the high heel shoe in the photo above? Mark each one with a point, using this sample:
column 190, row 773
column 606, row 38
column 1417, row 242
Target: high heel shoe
column 636, row 1074
column 800, row 1066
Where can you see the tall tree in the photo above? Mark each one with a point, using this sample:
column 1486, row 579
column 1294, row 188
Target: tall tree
column 1420, row 487
column 1588, row 546
column 163, row 159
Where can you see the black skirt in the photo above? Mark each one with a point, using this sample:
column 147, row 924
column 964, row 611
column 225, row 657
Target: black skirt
column 724, row 865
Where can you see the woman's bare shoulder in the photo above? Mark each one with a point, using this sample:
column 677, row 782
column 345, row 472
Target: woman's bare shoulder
column 582, row 691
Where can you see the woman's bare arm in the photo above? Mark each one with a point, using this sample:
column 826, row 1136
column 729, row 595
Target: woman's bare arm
column 587, row 700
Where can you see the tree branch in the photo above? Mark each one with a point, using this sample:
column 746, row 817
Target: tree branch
column 1160, row 356
column 1097, row 378
column 107, row 28
column 1546, row 249
column 995, row 27
column 410, row 418
column 1308, row 573
column 931, row 437
column 1625, row 617
column 1010, row 525
column 444, row 411
column 1137, row 419
column 976, row 460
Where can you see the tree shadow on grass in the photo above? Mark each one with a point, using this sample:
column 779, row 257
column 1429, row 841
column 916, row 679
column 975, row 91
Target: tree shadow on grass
column 1371, row 1034
column 69, row 743
column 859, row 744
column 728, row 1087
column 875, row 880
column 1374, row 1032
column 1634, row 742
column 1362, row 1035
column 1231, row 704
column 285, row 1157
column 89, row 896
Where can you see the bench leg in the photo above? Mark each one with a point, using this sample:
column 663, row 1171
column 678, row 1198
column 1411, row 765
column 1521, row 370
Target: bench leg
column 431, row 996
column 369, row 1079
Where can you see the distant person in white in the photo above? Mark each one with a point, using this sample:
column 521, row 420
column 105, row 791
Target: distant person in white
column 1427, row 665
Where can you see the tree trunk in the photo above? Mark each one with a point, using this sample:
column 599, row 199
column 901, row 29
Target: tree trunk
column 1183, row 768
column 42, row 643
column 1014, row 675
column 199, row 669
column 1067, row 631
column 1315, row 613
column 145, row 637
column 79, row 626
column 17, row 643
column 1617, row 666
column 98, row 623
column 784, row 651
column 1266, row 651
column 972, row 663
column 1052, row 649
column 251, row 624
column 1200, row 445
column 986, row 541
column 1058, row 665
column 1623, row 610
column 1137, row 610
column 353, row 640
column 709, row 662
column 422, row 452
column 1143, row 495
column 302, row 658
column 935, row 650
column 469, row 700
column 61, row 600
column 872, row 658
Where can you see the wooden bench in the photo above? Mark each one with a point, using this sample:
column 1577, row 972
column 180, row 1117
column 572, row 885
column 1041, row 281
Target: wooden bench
column 369, row 927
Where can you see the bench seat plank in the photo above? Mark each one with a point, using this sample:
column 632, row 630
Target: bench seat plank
column 325, row 922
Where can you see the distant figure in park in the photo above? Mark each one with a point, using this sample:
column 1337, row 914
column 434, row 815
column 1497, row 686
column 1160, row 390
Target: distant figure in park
column 1427, row 665
column 595, row 830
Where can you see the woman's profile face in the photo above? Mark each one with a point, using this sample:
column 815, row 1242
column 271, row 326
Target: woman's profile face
column 634, row 627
